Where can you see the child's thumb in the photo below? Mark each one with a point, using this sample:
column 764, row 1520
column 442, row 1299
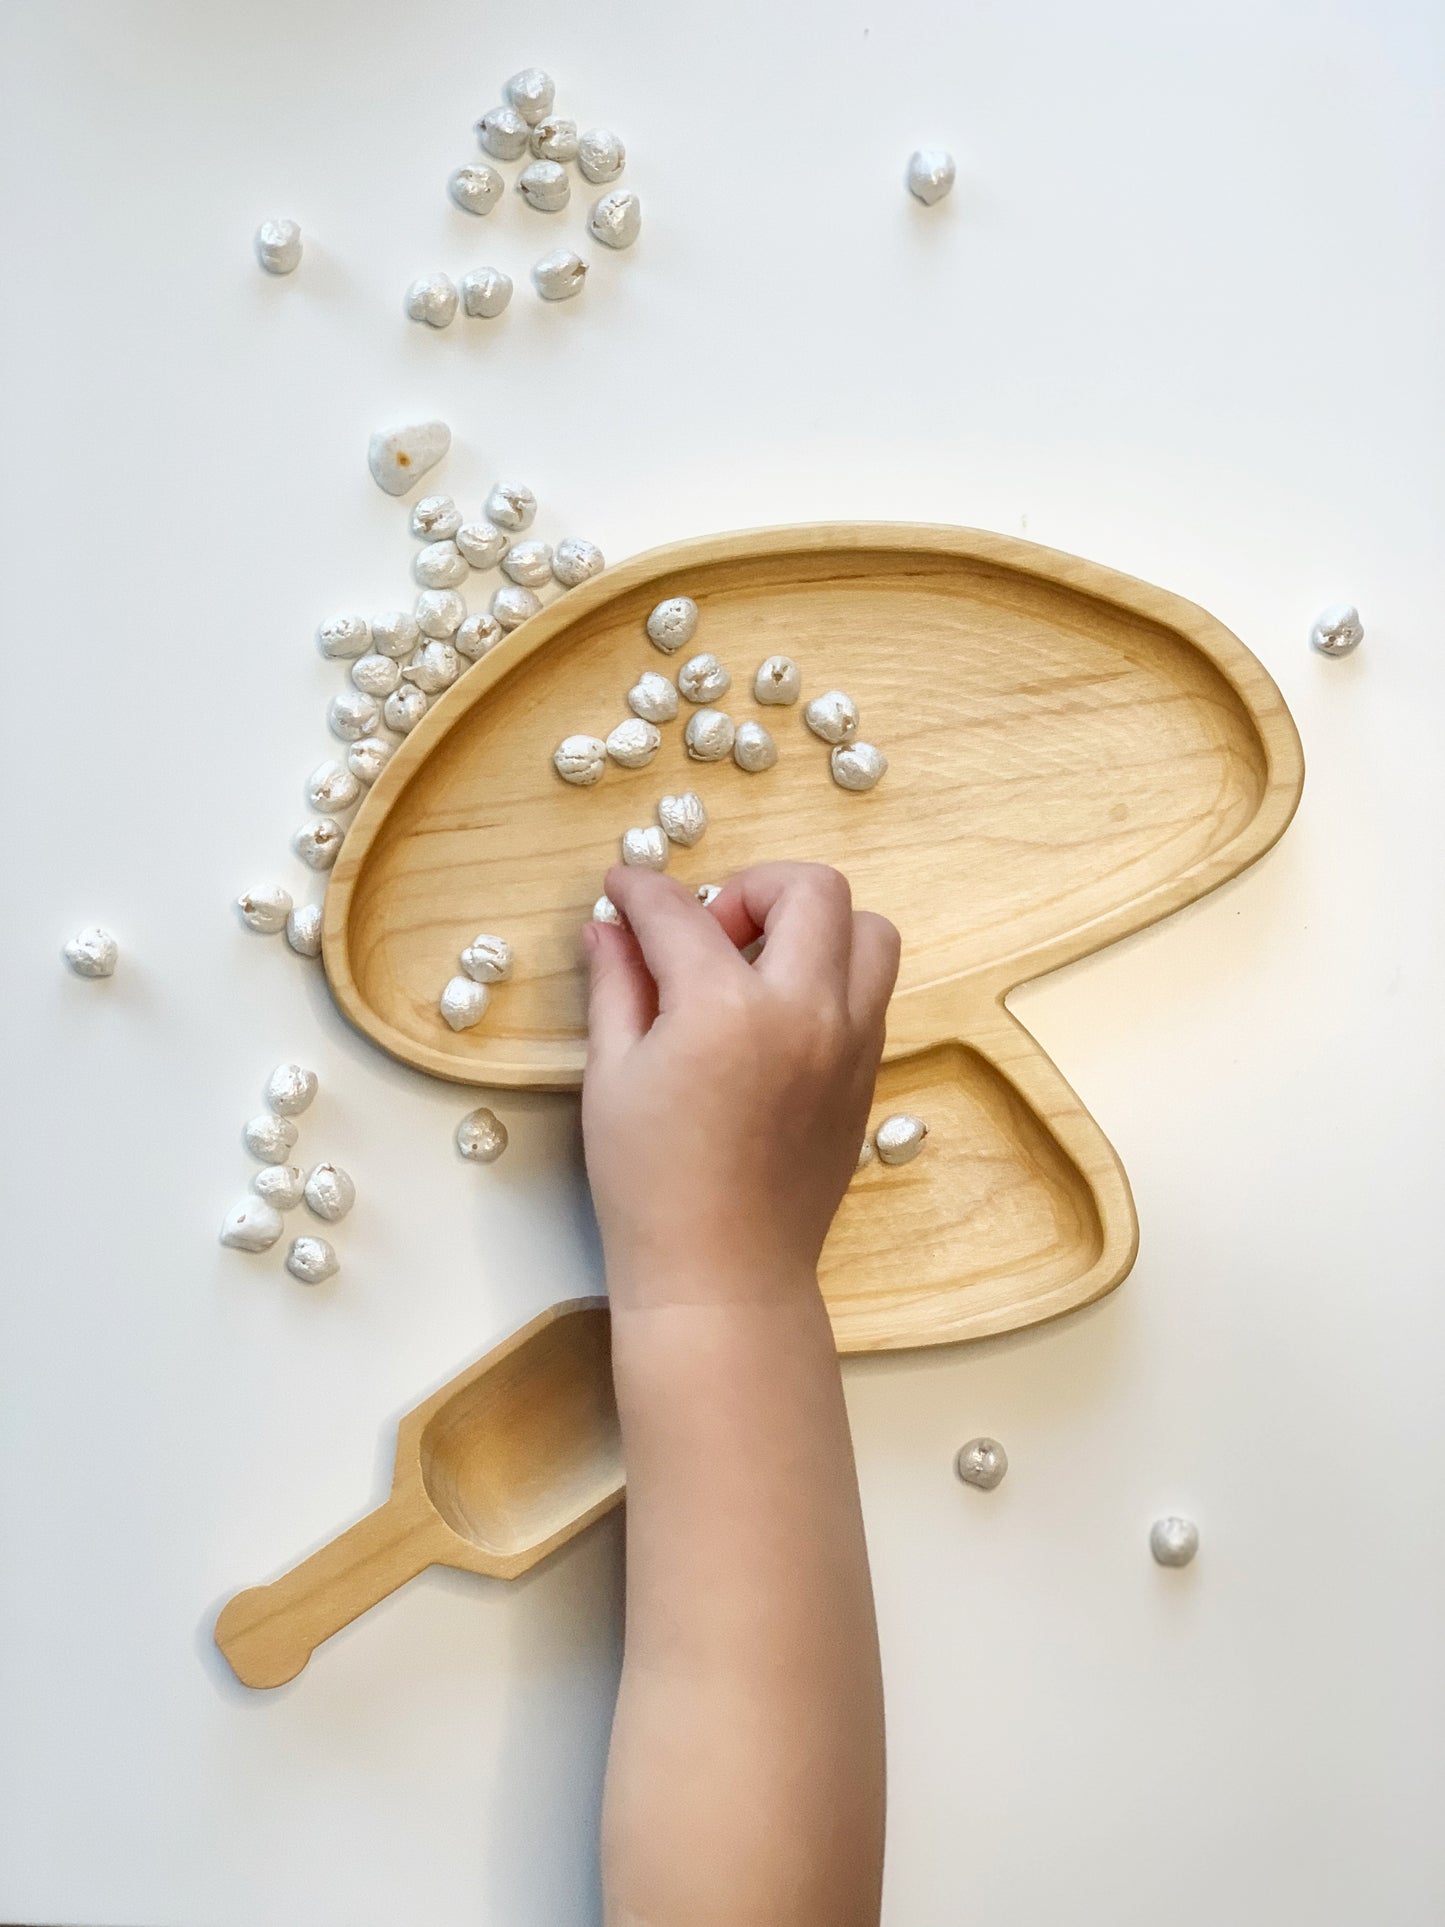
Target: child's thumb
column 621, row 996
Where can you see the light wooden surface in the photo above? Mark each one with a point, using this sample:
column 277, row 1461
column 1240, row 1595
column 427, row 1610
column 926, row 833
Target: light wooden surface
column 1073, row 755
column 511, row 1458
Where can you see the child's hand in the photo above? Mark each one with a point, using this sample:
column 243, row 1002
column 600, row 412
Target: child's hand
column 725, row 1102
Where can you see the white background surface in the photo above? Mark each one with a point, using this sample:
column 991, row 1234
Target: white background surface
column 1182, row 315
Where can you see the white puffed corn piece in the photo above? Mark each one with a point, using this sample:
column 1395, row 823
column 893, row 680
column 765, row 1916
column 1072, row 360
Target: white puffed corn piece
column 544, row 185
column 280, row 1185
column 432, row 298
column 753, row 748
column 857, row 765
column 352, row 715
column 331, row 786
column 342, row 638
column 616, row 220
column 303, row 930
column 531, row 92
column 312, row 1261
column 1337, row 630
column 482, row 1136
column 405, row 707
column 673, row 623
column 439, row 565
column 265, row 909
column 653, row 697
column 487, row 959
column 554, row 138
column 834, row 717
column 318, row 842
column 368, row 757
column 707, row 893
column 399, row 457
column 709, row 735
column 434, row 667
column 394, row 634
column 529, row 563
column 513, row 604
column 435, row 518
column 575, row 560
column 251, row 1225
column 92, row 952
column 289, row 1090
column 580, row 760
column 477, row 635
column 899, row 1138
column 511, row 505
column 378, row 675
column 559, row 275
column 503, row 133
column 269, row 1137
column 440, row 613
column 485, row 293
column 606, row 911
column 1173, row 1541
column 329, row 1193
column 779, row 680
column 930, row 174
column 634, row 742
column 463, row 1003
column 476, row 190
column 600, row 155
column 982, row 1463
column 645, row 849
column 683, row 818
column 482, row 543
column 865, row 1154
column 278, row 246
column 702, row 679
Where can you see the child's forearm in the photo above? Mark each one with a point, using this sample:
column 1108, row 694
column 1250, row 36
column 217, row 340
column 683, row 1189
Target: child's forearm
column 745, row 1783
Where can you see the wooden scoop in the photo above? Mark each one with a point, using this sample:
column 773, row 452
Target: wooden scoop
column 515, row 1456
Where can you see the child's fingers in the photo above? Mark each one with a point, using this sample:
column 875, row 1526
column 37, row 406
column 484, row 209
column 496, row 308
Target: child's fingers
column 621, row 996
column 805, row 912
column 874, row 967
column 678, row 938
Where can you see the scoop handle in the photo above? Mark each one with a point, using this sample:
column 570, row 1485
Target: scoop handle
column 269, row 1632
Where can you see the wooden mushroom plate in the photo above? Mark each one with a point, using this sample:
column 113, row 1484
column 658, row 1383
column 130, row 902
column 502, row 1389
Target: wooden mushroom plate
column 1072, row 755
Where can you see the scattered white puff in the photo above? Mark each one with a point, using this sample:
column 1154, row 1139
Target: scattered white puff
column 575, row 560
column 440, row 613
column 278, row 246
column 435, row 518
column 329, row 1193
column 463, row 1003
column 265, row 909
column 251, row 1225
column 544, row 185
column 434, row 667
column 269, row 1137
column 559, row 275
column 368, row 757
column 318, row 842
column 341, row 638
column 709, row 735
column 503, row 133
column 511, row 505
column 833, row 717
column 754, row 748
column 399, row 457
column 281, row 1185
column 476, row 190
column 405, row 707
column 634, row 742
column 672, row 623
column 312, row 1260
column 616, row 219
column 1337, row 630
column 653, row 697
column 289, row 1090
column 702, row 679
column 477, row 635
column 554, row 139
column 485, row 293
column 981, row 1463
column 482, row 543
column 899, row 1138
column 331, row 786
column 482, row 1136
column 432, row 298
column 439, row 565
column 531, row 93
column 303, row 930
column 92, row 952
column 930, row 174
column 1173, row 1541
column 683, row 818
column 352, row 715
column 857, row 765
column 487, row 959
column 865, row 1154
column 645, row 848
column 529, row 563
column 606, row 911
column 580, row 760
column 600, row 155
column 779, row 680
column 396, row 633
column 707, row 893
column 376, row 675
column 512, row 604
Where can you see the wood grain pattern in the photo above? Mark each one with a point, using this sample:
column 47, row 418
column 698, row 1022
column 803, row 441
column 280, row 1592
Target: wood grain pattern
column 516, row 1455
column 1073, row 755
